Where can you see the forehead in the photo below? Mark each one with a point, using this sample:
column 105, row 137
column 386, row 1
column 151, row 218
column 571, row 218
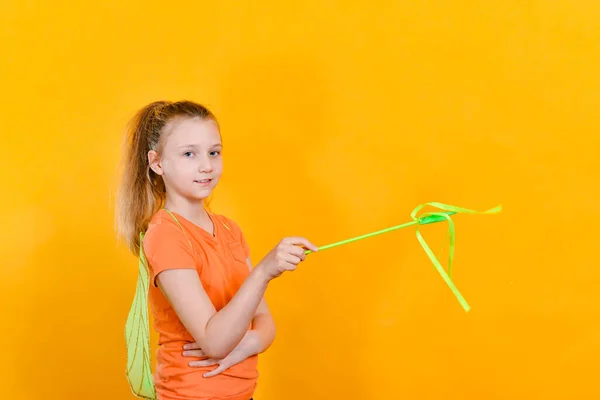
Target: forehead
column 192, row 131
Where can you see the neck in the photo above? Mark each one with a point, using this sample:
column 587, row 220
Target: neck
column 193, row 211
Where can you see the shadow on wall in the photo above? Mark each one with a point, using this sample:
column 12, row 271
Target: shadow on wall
column 280, row 106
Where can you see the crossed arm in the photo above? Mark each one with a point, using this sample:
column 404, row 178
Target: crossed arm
column 218, row 333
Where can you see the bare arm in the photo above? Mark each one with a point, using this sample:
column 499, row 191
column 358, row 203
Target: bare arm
column 218, row 333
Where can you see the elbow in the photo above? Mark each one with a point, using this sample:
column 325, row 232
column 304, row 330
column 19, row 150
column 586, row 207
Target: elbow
column 216, row 353
column 212, row 347
column 272, row 331
column 271, row 338
column 267, row 336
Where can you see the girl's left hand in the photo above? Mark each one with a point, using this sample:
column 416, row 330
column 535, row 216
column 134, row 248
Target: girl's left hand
column 243, row 350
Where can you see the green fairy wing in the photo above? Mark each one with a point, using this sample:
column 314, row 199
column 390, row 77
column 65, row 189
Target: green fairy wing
column 137, row 336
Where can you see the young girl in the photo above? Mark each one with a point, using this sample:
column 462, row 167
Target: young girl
column 206, row 298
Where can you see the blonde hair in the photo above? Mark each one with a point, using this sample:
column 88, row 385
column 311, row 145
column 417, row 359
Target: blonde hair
column 141, row 191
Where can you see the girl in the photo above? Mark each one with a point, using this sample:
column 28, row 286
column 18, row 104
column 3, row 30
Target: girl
column 206, row 298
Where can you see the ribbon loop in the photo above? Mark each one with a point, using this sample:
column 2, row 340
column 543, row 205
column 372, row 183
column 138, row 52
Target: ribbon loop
column 438, row 217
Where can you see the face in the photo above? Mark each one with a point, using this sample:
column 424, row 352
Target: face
column 190, row 162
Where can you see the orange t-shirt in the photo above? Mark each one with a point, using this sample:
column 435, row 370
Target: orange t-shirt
column 220, row 260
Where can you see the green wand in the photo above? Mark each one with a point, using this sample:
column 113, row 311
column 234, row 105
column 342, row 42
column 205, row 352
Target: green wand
column 424, row 219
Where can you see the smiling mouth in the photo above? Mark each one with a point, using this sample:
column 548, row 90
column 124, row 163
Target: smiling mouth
column 203, row 181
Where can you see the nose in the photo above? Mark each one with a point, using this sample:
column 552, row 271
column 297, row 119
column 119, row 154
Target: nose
column 205, row 165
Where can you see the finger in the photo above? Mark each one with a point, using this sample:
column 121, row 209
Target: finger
column 203, row 363
column 296, row 240
column 290, row 266
column 298, row 252
column 192, row 346
column 193, row 353
column 291, row 259
column 215, row 371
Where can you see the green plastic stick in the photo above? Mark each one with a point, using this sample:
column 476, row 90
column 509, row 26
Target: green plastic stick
column 424, row 219
column 427, row 220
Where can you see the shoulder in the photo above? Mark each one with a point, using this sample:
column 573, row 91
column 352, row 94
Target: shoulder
column 161, row 225
column 166, row 246
column 163, row 235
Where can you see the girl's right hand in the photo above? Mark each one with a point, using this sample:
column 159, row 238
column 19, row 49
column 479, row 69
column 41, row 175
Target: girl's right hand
column 285, row 256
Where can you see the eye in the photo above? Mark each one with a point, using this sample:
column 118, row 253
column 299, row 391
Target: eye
column 215, row 153
column 188, row 154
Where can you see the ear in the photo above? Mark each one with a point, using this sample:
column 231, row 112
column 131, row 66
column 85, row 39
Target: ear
column 154, row 162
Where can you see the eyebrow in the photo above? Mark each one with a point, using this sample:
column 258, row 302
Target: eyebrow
column 196, row 146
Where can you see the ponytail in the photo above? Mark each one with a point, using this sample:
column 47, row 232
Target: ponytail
column 138, row 197
column 141, row 192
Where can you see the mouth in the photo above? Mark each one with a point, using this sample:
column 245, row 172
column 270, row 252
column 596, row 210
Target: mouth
column 203, row 181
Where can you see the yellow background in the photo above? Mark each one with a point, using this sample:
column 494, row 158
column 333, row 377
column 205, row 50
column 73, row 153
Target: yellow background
column 338, row 118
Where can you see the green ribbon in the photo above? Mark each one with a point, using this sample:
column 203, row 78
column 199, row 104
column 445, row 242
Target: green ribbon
column 424, row 219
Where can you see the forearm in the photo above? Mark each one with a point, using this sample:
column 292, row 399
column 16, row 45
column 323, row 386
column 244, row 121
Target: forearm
column 259, row 338
column 226, row 328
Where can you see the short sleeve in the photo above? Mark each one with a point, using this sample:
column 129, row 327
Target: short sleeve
column 167, row 247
